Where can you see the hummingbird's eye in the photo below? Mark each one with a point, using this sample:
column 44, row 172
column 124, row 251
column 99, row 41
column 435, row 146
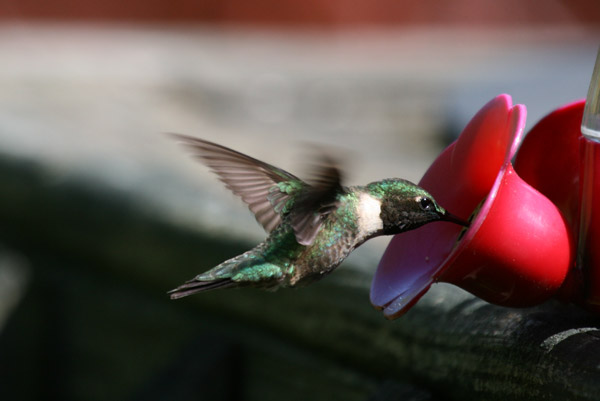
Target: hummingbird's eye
column 425, row 203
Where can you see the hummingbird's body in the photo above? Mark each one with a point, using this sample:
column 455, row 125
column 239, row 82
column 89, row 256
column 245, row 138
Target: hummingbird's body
column 281, row 261
column 313, row 227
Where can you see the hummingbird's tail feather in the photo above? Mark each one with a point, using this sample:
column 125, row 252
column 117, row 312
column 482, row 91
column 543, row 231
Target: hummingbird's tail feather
column 247, row 269
column 216, row 278
column 194, row 286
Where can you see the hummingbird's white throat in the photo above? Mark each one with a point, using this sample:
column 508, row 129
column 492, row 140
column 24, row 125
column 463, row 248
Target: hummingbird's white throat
column 369, row 215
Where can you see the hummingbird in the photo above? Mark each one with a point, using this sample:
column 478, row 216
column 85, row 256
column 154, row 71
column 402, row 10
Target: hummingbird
column 313, row 225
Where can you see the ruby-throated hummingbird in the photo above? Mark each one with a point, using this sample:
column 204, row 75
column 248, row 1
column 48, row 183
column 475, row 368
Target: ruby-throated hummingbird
column 313, row 225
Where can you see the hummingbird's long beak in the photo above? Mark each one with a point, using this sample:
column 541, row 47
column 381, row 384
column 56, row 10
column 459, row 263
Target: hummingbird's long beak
column 454, row 219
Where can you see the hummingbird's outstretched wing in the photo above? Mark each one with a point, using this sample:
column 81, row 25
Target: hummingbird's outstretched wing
column 271, row 192
column 318, row 200
column 265, row 188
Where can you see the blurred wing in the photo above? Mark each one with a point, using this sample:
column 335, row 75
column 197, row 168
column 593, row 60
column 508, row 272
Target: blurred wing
column 320, row 199
column 266, row 189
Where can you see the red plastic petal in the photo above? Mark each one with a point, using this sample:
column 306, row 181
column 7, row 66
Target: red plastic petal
column 554, row 158
column 549, row 159
column 519, row 250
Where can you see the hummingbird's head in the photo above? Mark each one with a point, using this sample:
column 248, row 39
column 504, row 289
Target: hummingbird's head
column 406, row 206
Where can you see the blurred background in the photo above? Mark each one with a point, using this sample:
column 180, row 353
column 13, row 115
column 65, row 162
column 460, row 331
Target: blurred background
column 101, row 213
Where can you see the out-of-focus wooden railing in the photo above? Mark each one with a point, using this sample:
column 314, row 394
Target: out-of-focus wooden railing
column 95, row 323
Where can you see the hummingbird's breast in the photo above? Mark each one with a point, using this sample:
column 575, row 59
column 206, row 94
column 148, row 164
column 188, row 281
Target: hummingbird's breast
column 355, row 220
column 338, row 236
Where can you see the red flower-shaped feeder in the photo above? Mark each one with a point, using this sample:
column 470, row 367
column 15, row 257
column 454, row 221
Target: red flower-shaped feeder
column 517, row 250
